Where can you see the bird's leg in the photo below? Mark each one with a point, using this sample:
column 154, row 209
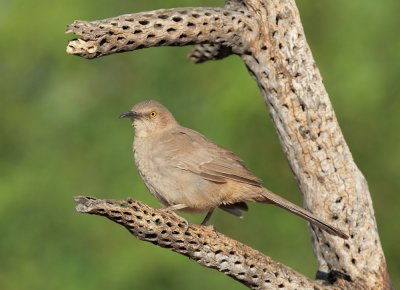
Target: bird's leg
column 207, row 217
column 174, row 207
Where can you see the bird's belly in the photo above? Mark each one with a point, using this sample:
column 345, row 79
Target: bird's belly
column 173, row 186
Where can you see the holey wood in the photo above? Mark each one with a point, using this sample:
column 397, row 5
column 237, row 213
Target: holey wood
column 269, row 37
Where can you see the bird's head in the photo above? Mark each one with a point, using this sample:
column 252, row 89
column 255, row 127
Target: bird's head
column 149, row 117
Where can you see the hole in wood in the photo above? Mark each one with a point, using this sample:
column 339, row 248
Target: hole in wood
column 150, row 236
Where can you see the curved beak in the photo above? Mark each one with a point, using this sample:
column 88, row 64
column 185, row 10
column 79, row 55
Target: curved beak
column 130, row 114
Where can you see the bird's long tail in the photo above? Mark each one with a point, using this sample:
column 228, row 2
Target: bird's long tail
column 272, row 198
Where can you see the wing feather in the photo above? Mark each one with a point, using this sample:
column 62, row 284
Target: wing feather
column 199, row 155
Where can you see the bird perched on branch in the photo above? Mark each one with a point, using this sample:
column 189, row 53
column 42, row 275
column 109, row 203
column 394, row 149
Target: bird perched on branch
column 186, row 171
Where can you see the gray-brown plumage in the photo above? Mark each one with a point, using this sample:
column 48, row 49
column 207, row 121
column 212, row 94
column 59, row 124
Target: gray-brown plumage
column 186, row 171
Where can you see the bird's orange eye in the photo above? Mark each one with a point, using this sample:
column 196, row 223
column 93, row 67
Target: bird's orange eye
column 153, row 114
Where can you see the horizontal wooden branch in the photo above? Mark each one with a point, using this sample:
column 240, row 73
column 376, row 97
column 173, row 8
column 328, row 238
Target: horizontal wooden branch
column 201, row 243
column 175, row 27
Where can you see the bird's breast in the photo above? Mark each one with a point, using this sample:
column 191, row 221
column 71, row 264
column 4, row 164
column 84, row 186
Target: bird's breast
column 168, row 183
column 149, row 167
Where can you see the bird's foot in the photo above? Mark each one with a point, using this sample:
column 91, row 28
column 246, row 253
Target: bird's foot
column 174, row 207
column 211, row 227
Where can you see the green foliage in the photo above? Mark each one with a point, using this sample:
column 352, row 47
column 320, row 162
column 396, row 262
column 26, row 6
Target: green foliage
column 60, row 137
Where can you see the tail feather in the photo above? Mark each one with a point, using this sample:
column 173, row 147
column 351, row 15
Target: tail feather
column 272, row 198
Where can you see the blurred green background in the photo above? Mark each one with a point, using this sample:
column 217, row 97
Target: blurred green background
column 60, row 137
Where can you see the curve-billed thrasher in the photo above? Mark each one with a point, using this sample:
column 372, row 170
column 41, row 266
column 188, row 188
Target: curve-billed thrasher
column 186, row 171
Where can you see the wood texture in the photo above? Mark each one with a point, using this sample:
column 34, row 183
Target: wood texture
column 269, row 37
column 200, row 243
column 174, row 27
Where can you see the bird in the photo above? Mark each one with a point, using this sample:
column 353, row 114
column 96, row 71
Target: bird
column 186, row 171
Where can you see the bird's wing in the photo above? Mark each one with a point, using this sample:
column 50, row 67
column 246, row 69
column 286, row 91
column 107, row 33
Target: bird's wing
column 199, row 155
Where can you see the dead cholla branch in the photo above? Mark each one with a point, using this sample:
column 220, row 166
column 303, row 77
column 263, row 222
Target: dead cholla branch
column 201, row 243
column 175, row 27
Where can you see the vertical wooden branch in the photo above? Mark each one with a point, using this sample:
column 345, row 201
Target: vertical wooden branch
column 269, row 37
column 332, row 185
